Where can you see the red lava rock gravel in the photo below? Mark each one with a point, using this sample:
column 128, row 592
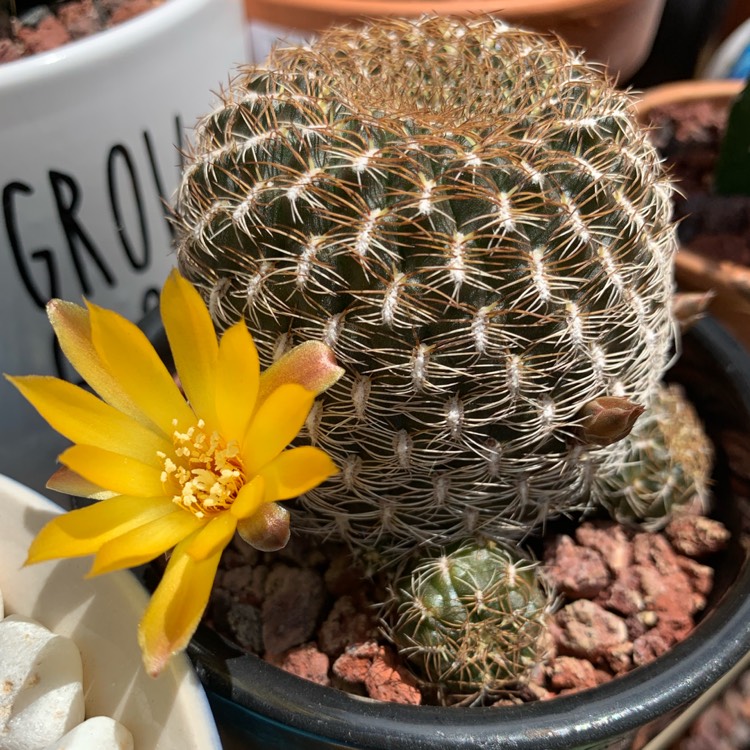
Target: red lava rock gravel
column 377, row 668
column 626, row 597
column 696, row 536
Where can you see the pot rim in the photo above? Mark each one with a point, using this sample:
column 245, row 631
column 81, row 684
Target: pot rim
column 685, row 91
column 693, row 269
column 511, row 8
column 265, row 693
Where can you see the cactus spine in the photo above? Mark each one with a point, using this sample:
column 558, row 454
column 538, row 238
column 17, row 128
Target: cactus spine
column 470, row 217
column 470, row 621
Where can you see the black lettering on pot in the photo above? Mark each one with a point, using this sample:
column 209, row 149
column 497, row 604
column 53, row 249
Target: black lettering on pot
column 44, row 257
column 67, row 198
column 79, row 248
column 150, row 300
column 118, row 154
column 180, row 150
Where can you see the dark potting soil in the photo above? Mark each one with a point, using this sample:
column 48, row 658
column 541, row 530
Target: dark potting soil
column 39, row 27
column 688, row 136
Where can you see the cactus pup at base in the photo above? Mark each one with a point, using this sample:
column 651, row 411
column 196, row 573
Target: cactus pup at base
column 471, row 621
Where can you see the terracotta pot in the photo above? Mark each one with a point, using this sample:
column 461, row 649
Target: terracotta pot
column 619, row 33
column 730, row 281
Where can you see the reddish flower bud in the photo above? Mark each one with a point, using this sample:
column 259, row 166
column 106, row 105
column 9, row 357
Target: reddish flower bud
column 608, row 419
column 268, row 529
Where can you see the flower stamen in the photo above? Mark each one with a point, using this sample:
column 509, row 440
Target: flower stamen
column 205, row 473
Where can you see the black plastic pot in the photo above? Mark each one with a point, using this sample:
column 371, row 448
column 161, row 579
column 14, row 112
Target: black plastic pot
column 273, row 710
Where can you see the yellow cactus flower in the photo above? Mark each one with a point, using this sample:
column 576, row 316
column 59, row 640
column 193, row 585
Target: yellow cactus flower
column 172, row 470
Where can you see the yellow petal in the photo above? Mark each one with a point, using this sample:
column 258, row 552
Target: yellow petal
column 84, row 531
column 83, row 418
column 176, row 607
column 311, row 365
column 267, row 530
column 192, row 340
column 113, row 471
column 236, row 381
column 249, row 498
column 69, row 483
column 143, row 544
column 296, row 471
column 73, row 329
column 128, row 355
column 213, row 537
column 275, row 424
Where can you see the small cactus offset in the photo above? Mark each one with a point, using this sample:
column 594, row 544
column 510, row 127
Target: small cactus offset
column 666, row 467
column 469, row 215
column 470, row 622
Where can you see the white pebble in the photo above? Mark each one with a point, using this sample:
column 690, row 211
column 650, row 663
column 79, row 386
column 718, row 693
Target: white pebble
column 42, row 691
column 98, row 733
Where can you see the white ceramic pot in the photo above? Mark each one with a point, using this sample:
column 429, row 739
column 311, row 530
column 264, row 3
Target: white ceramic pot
column 89, row 137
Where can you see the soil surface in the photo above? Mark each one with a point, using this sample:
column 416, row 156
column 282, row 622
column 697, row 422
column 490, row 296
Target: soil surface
column 688, row 136
column 43, row 27
column 625, row 597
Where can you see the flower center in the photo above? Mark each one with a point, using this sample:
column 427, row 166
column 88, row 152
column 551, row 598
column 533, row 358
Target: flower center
column 205, row 474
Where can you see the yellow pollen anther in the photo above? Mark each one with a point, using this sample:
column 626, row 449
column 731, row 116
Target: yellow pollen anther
column 205, row 473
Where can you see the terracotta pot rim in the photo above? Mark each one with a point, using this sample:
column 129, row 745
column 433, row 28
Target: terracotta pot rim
column 618, row 33
column 509, row 8
column 686, row 91
column 718, row 275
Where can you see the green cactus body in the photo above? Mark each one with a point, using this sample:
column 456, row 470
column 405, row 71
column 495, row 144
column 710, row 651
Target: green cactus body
column 666, row 467
column 470, row 217
column 470, row 622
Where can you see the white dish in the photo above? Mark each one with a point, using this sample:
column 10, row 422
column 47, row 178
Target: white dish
column 101, row 615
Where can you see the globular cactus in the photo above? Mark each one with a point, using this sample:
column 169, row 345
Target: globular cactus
column 666, row 467
column 470, row 622
column 469, row 215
